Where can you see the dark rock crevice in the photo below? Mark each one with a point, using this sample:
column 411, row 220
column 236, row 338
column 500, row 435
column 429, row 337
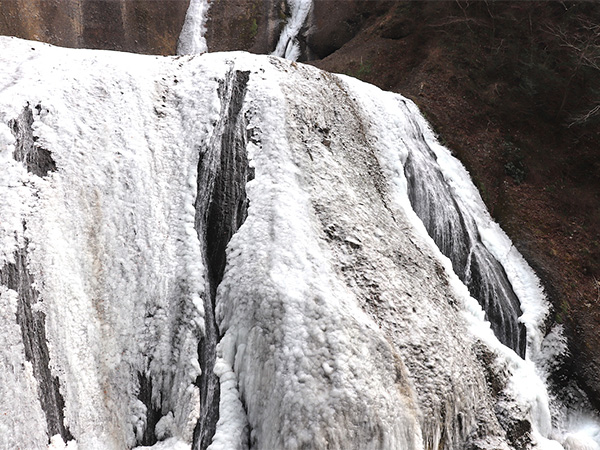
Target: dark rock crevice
column 37, row 160
column 228, row 205
column 153, row 413
column 16, row 276
column 221, row 208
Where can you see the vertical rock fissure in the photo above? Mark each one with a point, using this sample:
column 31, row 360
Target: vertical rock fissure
column 16, row 276
column 221, row 208
column 457, row 237
column 37, row 160
column 153, row 412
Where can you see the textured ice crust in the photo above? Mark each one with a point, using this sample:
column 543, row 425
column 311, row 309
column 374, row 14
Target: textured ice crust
column 111, row 238
column 342, row 326
column 312, row 368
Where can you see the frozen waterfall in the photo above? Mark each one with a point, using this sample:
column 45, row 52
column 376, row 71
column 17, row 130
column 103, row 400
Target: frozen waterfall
column 230, row 251
column 288, row 45
column 455, row 233
column 191, row 39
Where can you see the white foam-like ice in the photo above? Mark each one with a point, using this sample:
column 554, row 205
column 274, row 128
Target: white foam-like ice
column 111, row 238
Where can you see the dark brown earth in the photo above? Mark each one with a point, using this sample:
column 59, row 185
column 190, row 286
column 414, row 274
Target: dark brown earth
column 503, row 84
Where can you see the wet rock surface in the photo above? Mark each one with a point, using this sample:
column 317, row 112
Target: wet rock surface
column 457, row 237
column 250, row 25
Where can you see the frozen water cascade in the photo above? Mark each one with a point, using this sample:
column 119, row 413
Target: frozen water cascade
column 288, row 45
column 191, row 39
column 457, row 237
column 219, row 251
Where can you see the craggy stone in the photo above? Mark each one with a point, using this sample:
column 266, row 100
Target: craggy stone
column 138, row 26
column 249, row 25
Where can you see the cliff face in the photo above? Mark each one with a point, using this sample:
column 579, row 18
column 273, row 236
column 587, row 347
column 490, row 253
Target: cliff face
column 504, row 83
column 138, row 26
column 249, row 25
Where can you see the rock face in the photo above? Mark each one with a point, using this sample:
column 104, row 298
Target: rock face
column 138, row 26
column 250, row 25
column 333, row 24
column 255, row 25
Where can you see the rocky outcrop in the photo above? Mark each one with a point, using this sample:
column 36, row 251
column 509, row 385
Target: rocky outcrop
column 250, row 25
column 138, row 26
column 336, row 23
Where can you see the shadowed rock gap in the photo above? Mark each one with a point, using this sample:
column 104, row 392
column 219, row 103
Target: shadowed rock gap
column 16, row 276
column 457, row 238
column 37, row 160
column 153, row 413
column 221, row 208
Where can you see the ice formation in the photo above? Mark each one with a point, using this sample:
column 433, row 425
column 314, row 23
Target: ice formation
column 220, row 251
column 288, row 45
column 191, row 39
